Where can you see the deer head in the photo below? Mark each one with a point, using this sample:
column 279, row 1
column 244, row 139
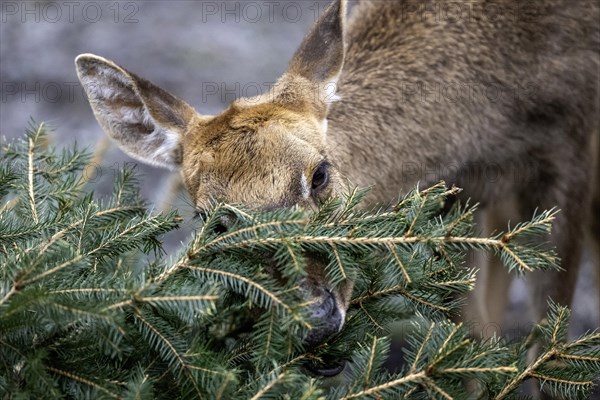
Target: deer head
column 264, row 152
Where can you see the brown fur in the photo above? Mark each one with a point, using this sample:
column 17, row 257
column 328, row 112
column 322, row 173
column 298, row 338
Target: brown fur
column 538, row 143
column 534, row 140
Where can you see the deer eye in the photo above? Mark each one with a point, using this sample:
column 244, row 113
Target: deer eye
column 320, row 177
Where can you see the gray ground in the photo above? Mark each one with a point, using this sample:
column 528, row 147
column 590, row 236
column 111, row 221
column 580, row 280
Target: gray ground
column 186, row 47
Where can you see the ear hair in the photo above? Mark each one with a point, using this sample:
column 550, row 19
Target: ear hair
column 320, row 57
column 147, row 122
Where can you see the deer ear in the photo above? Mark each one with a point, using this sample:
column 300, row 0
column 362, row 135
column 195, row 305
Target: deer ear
column 147, row 122
column 320, row 57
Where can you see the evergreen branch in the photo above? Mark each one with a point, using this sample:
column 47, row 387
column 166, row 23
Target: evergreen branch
column 336, row 240
column 364, row 218
column 88, row 290
column 453, row 191
column 370, row 317
column 410, row 378
column 330, row 240
column 431, row 383
column 13, row 348
column 173, row 269
column 81, row 233
column 413, row 367
column 156, row 299
column 468, row 282
column 400, row 264
column 582, row 341
column 51, row 271
column 194, row 251
column 170, row 346
column 418, row 213
column 120, row 304
column 515, row 257
column 152, row 300
column 277, row 368
column 83, row 380
column 557, row 380
column 462, row 218
column 409, row 295
column 209, row 371
column 9, row 205
column 79, row 312
column 75, row 294
column 370, row 365
column 12, row 291
column 268, row 387
column 339, row 261
column 119, row 194
column 441, row 353
column 462, row 370
column 352, row 198
column 183, row 365
column 270, row 334
column 252, row 229
column 546, row 219
column 228, row 378
column 100, row 213
column 556, row 328
column 30, row 172
column 122, row 234
column 374, row 295
column 70, row 165
column 553, row 332
column 516, row 381
column 247, row 281
column 255, row 285
column 238, row 211
column 294, row 258
column 177, row 298
column 580, row 358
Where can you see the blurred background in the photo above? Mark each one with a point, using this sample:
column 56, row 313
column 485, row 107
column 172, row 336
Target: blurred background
column 205, row 52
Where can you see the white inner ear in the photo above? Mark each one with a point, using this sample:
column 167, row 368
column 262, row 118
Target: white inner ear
column 160, row 145
column 122, row 112
column 135, row 115
column 168, row 147
column 103, row 91
column 107, row 84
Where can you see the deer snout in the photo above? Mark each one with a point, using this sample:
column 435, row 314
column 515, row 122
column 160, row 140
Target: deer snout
column 326, row 318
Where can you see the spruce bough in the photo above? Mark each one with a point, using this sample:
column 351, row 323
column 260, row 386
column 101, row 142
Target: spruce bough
column 84, row 313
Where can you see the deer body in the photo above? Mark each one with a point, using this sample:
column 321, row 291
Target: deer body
column 521, row 85
column 522, row 109
column 516, row 124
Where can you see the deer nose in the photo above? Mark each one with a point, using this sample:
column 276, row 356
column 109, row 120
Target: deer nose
column 225, row 223
column 326, row 319
column 327, row 369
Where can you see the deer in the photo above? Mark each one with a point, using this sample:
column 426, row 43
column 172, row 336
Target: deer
column 364, row 100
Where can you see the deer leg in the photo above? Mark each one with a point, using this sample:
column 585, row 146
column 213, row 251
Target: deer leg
column 569, row 190
column 487, row 304
column 595, row 240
